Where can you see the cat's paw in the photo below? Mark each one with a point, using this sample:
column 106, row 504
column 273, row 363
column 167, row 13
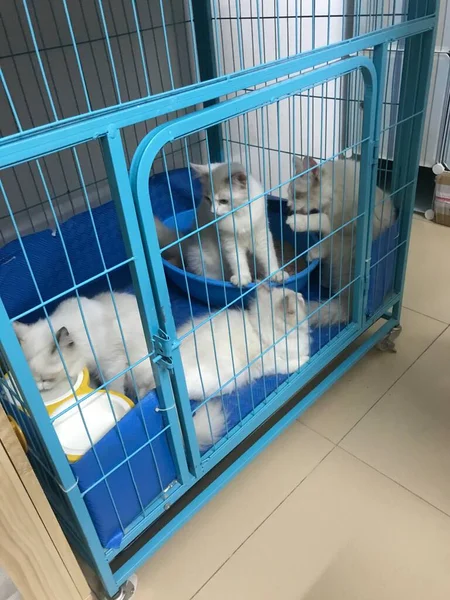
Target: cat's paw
column 280, row 276
column 298, row 222
column 242, row 281
column 315, row 253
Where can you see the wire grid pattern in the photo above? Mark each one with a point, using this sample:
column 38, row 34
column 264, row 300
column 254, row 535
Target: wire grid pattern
column 75, row 59
column 281, row 29
column 264, row 141
column 262, row 151
column 12, row 399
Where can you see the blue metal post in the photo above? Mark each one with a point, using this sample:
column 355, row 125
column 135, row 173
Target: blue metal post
column 417, row 67
column 122, row 195
column 365, row 196
column 379, row 61
column 204, row 37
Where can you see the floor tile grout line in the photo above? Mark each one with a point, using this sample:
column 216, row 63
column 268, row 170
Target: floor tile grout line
column 391, row 386
column 299, row 419
column 394, row 481
column 425, row 315
column 322, row 435
column 265, row 519
column 336, row 445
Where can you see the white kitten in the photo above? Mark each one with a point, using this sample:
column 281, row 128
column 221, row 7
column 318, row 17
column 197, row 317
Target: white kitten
column 325, row 199
column 236, row 339
column 110, row 357
column 224, row 250
column 75, row 343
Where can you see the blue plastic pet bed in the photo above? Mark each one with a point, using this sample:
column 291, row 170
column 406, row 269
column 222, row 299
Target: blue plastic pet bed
column 137, row 482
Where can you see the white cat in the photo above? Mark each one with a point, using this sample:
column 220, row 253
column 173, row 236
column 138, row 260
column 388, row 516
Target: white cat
column 206, row 368
column 99, row 315
column 275, row 318
column 325, row 199
column 224, row 250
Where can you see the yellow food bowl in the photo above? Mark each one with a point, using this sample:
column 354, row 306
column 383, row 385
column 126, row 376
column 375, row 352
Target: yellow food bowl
column 91, row 418
column 76, row 420
column 57, row 395
column 63, row 392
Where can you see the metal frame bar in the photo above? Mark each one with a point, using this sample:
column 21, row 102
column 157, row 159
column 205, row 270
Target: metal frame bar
column 142, row 163
column 116, row 169
column 204, row 38
column 413, row 100
column 50, row 138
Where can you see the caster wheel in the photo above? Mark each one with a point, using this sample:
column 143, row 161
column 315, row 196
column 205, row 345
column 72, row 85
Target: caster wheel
column 429, row 214
column 388, row 343
column 127, row 590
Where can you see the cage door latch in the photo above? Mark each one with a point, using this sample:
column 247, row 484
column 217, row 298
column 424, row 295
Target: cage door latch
column 163, row 348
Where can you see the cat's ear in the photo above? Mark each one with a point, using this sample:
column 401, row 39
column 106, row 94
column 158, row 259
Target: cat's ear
column 239, row 179
column 63, row 338
column 290, row 301
column 200, row 171
column 300, row 164
column 301, row 300
column 303, row 163
column 21, row 330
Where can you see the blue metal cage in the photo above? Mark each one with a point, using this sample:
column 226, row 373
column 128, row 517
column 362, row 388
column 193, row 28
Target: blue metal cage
column 105, row 107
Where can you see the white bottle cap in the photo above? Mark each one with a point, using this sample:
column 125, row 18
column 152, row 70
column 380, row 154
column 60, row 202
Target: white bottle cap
column 438, row 168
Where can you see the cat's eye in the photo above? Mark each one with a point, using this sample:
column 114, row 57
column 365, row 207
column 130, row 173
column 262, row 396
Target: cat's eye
column 223, row 201
column 208, row 198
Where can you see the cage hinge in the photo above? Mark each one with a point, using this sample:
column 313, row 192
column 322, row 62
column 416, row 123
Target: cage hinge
column 376, row 150
column 367, row 277
column 163, row 347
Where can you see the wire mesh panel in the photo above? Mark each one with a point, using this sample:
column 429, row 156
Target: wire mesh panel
column 179, row 258
column 286, row 27
column 81, row 58
column 74, row 58
column 77, row 292
column 262, row 253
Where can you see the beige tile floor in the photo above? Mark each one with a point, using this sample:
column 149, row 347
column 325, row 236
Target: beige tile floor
column 353, row 501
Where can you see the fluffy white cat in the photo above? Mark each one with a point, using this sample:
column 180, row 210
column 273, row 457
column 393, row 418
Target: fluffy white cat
column 210, row 361
column 224, row 250
column 325, row 199
column 275, row 318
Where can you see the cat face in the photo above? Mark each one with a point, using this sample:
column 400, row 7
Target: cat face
column 42, row 354
column 308, row 194
column 224, row 186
